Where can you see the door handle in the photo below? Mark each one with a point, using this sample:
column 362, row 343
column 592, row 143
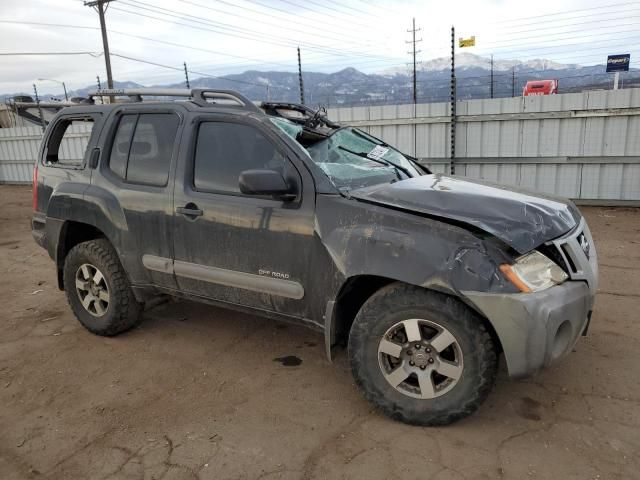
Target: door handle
column 190, row 210
column 93, row 159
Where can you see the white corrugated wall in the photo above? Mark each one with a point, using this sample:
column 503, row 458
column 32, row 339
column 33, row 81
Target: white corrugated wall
column 584, row 146
column 19, row 148
column 581, row 145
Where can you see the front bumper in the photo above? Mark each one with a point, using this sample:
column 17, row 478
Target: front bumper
column 536, row 329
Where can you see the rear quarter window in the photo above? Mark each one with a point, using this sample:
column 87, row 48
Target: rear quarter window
column 67, row 144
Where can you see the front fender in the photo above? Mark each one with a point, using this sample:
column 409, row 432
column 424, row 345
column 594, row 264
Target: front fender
column 365, row 239
column 368, row 240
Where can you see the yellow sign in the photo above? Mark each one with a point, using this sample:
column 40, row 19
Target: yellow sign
column 467, row 42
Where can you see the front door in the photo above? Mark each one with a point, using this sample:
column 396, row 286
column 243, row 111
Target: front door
column 235, row 248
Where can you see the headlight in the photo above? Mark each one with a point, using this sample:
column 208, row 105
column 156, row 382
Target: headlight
column 533, row 272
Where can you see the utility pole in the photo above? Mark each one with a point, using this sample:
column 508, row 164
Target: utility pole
column 186, row 74
column 513, row 81
column 99, row 87
column 413, row 32
column 35, row 91
column 99, row 5
column 491, row 89
column 300, row 78
column 453, row 101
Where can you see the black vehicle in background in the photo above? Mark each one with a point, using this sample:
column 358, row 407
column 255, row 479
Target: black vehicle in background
column 276, row 210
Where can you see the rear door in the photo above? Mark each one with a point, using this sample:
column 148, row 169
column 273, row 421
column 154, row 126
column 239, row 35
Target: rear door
column 136, row 179
column 65, row 153
column 62, row 167
column 247, row 250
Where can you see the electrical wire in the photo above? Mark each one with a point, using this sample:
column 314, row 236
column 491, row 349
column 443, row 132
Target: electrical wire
column 226, row 26
column 181, row 69
column 285, row 44
column 288, row 27
column 567, row 12
column 24, row 54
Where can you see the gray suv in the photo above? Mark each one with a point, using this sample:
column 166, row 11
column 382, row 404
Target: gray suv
column 275, row 210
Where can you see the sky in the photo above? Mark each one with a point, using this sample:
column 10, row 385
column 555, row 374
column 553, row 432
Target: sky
column 218, row 37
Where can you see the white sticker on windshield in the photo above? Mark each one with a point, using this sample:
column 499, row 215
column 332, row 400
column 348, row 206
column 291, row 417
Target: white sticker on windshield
column 378, row 152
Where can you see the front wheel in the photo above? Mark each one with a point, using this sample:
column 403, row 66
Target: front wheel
column 421, row 357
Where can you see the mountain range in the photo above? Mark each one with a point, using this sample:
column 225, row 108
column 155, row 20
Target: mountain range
column 350, row 86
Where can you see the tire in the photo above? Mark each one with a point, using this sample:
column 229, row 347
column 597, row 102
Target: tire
column 426, row 397
column 107, row 314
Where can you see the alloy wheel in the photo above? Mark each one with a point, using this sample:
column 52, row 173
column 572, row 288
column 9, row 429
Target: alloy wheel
column 420, row 358
column 92, row 290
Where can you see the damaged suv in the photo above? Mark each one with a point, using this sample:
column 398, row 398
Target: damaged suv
column 276, row 210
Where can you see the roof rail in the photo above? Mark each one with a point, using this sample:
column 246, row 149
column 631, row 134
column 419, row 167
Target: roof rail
column 199, row 96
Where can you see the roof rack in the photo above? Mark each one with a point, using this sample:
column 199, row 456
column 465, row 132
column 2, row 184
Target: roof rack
column 199, row 96
column 308, row 116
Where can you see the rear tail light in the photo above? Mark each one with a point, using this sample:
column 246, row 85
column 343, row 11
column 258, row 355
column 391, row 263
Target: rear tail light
column 35, row 187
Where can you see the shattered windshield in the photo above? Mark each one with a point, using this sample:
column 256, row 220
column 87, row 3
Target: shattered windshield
column 352, row 158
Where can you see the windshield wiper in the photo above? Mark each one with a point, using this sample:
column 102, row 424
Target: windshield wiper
column 376, row 141
column 375, row 160
column 380, row 161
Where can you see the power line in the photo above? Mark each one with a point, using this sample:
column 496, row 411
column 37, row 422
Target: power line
column 573, row 24
column 288, row 21
column 573, row 17
column 288, row 27
column 164, row 42
column 180, row 69
column 566, row 12
column 258, row 61
column 544, row 46
column 349, row 60
column 572, row 32
column 571, row 54
column 371, row 4
column 222, row 25
column 358, row 11
column 348, row 23
column 265, row 39
column 21, row 54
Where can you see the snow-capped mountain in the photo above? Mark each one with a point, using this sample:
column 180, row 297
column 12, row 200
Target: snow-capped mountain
column 469, row 60
column 350, row 86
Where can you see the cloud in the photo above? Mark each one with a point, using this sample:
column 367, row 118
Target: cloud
column 231, row 36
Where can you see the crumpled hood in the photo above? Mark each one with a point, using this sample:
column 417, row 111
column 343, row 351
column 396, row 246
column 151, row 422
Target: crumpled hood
column 521, row 219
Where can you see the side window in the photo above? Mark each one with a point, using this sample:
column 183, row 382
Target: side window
column 142, row 148
column 224, row 150
column 120, row 147
column 67, row 145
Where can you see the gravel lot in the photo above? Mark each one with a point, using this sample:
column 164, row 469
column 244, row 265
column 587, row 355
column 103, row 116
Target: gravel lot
column 198, row 392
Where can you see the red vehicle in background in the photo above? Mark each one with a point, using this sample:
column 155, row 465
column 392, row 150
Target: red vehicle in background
column 540, row 87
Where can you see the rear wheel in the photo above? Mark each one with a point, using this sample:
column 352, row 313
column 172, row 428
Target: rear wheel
column 422, row 357
column 98, row 290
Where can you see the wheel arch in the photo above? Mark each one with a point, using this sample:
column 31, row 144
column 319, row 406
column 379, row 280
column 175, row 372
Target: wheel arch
column 71, row 234
column 355, row 291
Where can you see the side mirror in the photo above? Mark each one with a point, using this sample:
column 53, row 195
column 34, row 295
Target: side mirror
column 265, row 182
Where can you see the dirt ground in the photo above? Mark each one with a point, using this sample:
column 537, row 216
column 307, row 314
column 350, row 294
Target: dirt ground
column 196, row 392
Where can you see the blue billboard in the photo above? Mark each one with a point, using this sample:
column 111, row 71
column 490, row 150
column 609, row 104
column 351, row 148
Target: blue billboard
column 618, row 63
